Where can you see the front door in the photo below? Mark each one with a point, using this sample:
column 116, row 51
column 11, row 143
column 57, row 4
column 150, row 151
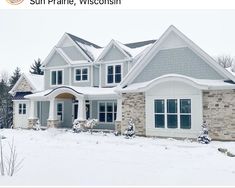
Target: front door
column 75, row 111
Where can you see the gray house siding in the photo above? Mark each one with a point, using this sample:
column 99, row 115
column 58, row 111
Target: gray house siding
column 73, row 53
column 56, row 60
column 81, row 83
column 177, row 61
column 114, row 54
column 96, row 77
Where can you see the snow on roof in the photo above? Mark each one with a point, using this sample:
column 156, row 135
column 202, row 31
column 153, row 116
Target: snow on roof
column 36, row 80
column 133, row 51
column 230, row 69
column 91, row 50
column 200, row 83
column 87, row 91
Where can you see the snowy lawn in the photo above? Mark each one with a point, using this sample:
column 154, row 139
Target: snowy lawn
column 59, row 157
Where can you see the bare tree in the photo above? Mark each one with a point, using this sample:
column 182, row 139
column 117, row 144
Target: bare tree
column 225, row 61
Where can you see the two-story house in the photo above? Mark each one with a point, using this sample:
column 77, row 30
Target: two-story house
column 167, row 86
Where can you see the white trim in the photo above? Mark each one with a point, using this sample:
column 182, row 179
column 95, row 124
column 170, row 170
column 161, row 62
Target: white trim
column 70, row 76
column 92, row 76
column 143, row 61
column 81, row 81
column 113, row 112
column 108, row 47
column 56, row 70
column 80, row 63
column 114, row 61
column 106, row 74
column 100, row 77
column 56, row 67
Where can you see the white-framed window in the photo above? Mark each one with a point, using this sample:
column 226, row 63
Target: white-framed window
column 22, row 108
column 172, row 113
column 81, row 74
column 107, row 112
column 60, row 111
column 114, row 74
column 56, row 77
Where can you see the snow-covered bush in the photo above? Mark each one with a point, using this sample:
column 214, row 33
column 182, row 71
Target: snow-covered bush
column 130, row 131
column 204, row 135
column 77, row 127
column 90, row 124
column 37, row 126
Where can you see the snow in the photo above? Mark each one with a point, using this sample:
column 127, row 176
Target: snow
column 95, row 52
column 36, row 80
column 62, row 158
column 133, row 51
column 208, row 84
column 88, row 91
column 230, row 69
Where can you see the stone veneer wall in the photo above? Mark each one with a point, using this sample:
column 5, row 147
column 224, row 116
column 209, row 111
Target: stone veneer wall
column 133, row 107
column 23, row 86
column 219, row 113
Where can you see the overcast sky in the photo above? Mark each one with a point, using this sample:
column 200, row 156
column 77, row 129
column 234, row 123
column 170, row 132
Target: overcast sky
column 26, row 35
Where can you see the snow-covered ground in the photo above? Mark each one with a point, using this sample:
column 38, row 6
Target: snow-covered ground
column 59, row 157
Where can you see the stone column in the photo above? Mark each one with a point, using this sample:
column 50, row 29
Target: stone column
column 32, row 120
column 52, row 121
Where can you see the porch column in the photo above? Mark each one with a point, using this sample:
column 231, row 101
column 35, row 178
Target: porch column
column 81, row 109
column 32, row 120
column 52, row 110
column 119, row 109
column 118, row 121
column 52, row 121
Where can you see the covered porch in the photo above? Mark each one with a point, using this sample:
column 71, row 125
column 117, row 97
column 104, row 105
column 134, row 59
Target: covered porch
column 59, row 107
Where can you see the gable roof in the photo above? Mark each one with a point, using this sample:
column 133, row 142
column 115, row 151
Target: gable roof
column 52, row 52
column 82, row 44
column 35, row 81
column 130, row 50
column 148, row 55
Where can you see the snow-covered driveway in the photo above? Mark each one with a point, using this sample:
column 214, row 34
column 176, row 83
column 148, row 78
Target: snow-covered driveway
column 59, row 157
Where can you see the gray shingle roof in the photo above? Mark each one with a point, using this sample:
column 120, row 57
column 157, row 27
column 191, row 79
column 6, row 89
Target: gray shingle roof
column 140, row 44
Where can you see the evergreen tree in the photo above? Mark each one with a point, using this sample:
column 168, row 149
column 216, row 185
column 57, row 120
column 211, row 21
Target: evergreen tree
column 14, row 78
column 6, row 112
column 36, row 67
